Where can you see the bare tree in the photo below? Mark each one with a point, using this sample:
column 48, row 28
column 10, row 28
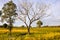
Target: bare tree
column 29, row 13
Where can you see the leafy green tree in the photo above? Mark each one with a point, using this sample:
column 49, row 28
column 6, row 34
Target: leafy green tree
column 9, row 13
column 39, row 23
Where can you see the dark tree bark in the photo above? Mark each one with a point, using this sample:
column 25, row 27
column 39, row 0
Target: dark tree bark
column 10, row 25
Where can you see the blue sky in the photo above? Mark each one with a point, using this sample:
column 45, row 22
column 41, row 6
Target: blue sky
column 54, row 11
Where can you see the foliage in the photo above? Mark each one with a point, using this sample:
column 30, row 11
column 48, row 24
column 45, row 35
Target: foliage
column 39, row 23
column 22, row 26
column 9, row 11
column 5, row 25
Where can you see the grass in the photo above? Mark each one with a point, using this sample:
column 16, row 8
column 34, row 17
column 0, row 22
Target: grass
column 36, row 34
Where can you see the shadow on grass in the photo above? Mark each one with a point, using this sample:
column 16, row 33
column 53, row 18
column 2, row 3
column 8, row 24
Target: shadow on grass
column 21, row 35
column 17, row 36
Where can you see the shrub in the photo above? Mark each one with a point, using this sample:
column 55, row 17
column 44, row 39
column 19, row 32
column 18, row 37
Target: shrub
column 5, row 25
column 22, row 26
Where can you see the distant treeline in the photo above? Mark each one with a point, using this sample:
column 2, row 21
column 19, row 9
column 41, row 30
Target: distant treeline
column 51, row 26
column 6, row 26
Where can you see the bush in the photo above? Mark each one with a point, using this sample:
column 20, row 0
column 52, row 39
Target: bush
column 5, row 25
column 22, row 26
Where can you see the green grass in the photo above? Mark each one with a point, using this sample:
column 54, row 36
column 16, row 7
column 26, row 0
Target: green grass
column 36, row 34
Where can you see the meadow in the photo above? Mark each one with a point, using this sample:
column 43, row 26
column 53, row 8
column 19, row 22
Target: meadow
column 19, row 33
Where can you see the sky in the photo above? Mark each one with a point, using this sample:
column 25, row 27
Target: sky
column 54, row 11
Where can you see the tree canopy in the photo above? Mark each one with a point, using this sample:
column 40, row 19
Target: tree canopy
column 9, row 11
column 39, row 23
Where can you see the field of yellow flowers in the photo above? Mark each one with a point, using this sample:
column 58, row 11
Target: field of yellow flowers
column 36, row 34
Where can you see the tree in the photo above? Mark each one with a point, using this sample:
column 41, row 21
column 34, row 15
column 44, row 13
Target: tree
column 9, row 13
column 22, row 26
column 39, row 23
column 29, row 13
column 5, row 25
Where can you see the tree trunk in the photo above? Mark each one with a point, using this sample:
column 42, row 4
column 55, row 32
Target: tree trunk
column 29, row 29
column 10, row 25
column 39, row 25
column 10, row 28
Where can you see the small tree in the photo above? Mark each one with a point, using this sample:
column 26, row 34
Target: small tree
column 29, row 13
column 9, row 13
column 39, row 23
column 22, row 26
column 5, row 25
